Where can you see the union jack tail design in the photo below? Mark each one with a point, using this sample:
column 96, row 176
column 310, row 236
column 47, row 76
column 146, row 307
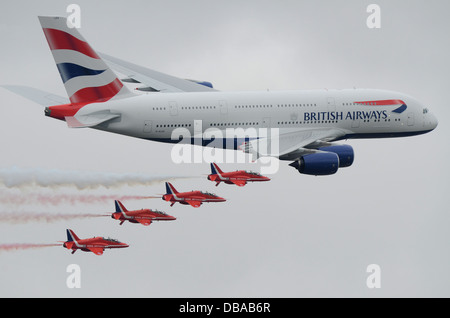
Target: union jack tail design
column 71, row 236
column 120, row 207
column 215, row 169
column 85, row 75
column 170, row 189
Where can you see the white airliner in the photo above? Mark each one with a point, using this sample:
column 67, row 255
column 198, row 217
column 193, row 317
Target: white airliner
column 306, row 122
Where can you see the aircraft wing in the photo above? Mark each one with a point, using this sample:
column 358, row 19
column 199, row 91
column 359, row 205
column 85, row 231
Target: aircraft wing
column 291, row 144
column 239, row 183
column 194, row 203
column 155, row 81
column 145, row 222
column 96, row 250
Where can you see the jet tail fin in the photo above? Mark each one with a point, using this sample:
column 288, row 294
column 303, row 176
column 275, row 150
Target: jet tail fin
column 85, row 75
column 71, row 236
column 215, row 169
column 120, row 207
column 170, row 188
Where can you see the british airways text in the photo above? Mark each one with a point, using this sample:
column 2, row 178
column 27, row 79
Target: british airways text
column 353, row 115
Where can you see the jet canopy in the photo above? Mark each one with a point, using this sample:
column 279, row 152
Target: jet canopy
column 110, row 240
column 209, row 193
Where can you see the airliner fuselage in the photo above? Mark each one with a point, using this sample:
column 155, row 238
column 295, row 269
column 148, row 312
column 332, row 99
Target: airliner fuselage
column 361, row 113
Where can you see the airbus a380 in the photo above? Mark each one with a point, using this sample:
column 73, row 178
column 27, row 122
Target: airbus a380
column 307, row 121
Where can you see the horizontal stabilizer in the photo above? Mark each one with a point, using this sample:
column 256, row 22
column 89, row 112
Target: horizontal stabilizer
column 38, row 96
column 90, row 120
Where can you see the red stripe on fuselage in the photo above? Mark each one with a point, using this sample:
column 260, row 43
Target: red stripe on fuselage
column 386, row 102
column 60, row 40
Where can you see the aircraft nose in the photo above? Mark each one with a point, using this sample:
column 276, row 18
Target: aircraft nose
column 433, row 121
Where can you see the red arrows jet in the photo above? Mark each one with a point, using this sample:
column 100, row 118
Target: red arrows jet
column 193, row 198
column 239, row 178
column 144, row 216
column 95, row 245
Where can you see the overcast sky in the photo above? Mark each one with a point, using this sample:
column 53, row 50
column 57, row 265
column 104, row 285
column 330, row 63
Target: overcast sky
column 295, row 236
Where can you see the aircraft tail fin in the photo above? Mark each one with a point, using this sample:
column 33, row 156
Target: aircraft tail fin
column 71, row 236
column 120, row 207
column 85, row 75
column 215, row 169
column 170, row 188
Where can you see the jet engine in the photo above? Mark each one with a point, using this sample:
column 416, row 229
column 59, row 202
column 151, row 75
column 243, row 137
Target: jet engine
column 326, row 161
column 345, row 153
column 317, row 164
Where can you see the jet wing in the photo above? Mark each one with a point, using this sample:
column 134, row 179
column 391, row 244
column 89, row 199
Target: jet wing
column 239, row 183
column 96, row 250
column 145, row 222
column 290, row 145
column 194, row 203
column 90, row 120
column 156, row 81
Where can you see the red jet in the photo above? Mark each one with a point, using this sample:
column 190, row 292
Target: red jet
column 193, row 198
column 144, row 216
column 95, row 245
column 239, row 178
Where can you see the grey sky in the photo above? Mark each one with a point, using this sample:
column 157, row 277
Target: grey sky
column 292, row 237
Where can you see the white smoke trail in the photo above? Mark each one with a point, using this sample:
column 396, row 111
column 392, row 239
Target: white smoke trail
column 26, row 217
column 51, row 178
column 55, row 199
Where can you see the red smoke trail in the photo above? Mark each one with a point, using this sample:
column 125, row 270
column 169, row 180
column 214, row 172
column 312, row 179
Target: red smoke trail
column 57, row 199
column 23, row 217
column 23, row 246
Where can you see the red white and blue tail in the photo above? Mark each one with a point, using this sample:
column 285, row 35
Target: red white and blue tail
column 120, row 207
column 71, row 236
column 215, row 169
column 170, row 189
column 85, row 75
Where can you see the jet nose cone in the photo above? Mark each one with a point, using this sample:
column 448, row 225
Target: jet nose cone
column 433, row 122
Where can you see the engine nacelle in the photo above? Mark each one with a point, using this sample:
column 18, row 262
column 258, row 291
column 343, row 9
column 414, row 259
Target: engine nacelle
column 317, row 164
column 345, row 153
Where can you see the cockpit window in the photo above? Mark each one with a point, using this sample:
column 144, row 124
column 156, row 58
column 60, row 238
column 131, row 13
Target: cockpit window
column 425, row 111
